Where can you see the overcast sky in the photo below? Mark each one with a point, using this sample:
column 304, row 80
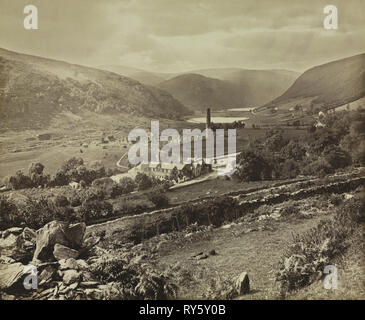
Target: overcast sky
column 182, row 35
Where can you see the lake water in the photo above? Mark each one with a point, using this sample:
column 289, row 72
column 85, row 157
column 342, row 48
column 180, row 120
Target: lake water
column 241, row 109
column 216, row 119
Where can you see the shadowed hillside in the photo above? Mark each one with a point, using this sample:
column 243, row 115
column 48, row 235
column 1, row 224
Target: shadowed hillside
column 33, row 90
column 198, row 92
column 228, row 88
column 327, row 86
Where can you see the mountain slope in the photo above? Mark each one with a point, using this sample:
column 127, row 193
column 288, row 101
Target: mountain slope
column 198, row 92
column 228, row 88
column 257, row 86
column 145, row 77
column 327, row 86
column 33, row 90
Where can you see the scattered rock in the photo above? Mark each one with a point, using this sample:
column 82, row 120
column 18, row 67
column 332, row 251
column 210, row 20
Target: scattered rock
column 6, row 260
column 13, row 246
column 243, row 284
column 82, row 264
column 90, row 242
column 14, row 230
column 52, row 233
column 89, row 284
column 29, row 235
column 75, row 234
column 66, row 264
column 57, row 232
column 62, row 252
column 94, row 293
column 10, row 274
column 71, row 276
column 201, row 257
column 46, row 275
column 198, row 254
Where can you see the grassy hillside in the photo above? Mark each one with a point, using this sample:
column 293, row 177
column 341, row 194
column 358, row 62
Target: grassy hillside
column 327, row 86
column 145, row 77
column 33, row 90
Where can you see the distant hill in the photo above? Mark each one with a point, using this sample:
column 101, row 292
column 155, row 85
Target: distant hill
column 198, row 92
column 228, row 88
column 326, row 86
column 33, row 90
column 145, row 77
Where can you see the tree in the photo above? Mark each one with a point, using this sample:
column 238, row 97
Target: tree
column 294, row 150
column 174, row 174
column 275, row 140
column 127, row 184
column 337, row 157
column 158, row 198
column 19, row 181
column 252, row 167
column 143, row 181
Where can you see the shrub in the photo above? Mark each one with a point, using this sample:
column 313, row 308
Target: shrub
column 127, row 184
column 158, row 198
column 18, row 181
column 306, row 256
column 74, row 200
column 143, row 181
column 336, row 199
column 94, row 209
column 337, row 157
column 319, row 167
column 252, row 167
column 134, row 282
column 291, row 209
column 9, row 215
column 61, row 201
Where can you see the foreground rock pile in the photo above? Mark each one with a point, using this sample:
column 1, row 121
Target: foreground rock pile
column 52, row 261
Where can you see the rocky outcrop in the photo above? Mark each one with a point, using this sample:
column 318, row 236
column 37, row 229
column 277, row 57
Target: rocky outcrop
column 63, row 252
column 17, row 243
column 242, row 284
column 57, row 232
column 10, row 274
column 54, row 249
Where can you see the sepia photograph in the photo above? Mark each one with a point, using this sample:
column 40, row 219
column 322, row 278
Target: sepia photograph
column 182, row 155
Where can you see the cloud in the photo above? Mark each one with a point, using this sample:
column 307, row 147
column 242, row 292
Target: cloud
column 173, row 36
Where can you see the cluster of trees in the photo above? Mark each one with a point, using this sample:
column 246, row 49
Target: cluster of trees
column 226, row 126
column 73, row 170
column 321, row 151
column 35, row 178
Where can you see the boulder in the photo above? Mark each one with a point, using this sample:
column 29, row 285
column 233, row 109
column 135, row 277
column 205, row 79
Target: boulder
column 75, row 234
column 71, row 276
column 57, row 232
column 66, row 264
column 14, row 230
column 52, row 233
column 10, row 274
column 13, row 246
column 63, row 252
column 242, row 284
column 29, row 234
column 90, row 242
column 46, row 275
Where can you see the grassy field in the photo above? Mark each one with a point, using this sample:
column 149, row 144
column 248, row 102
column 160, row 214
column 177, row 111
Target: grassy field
column 254, row 244
column 19, row 149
